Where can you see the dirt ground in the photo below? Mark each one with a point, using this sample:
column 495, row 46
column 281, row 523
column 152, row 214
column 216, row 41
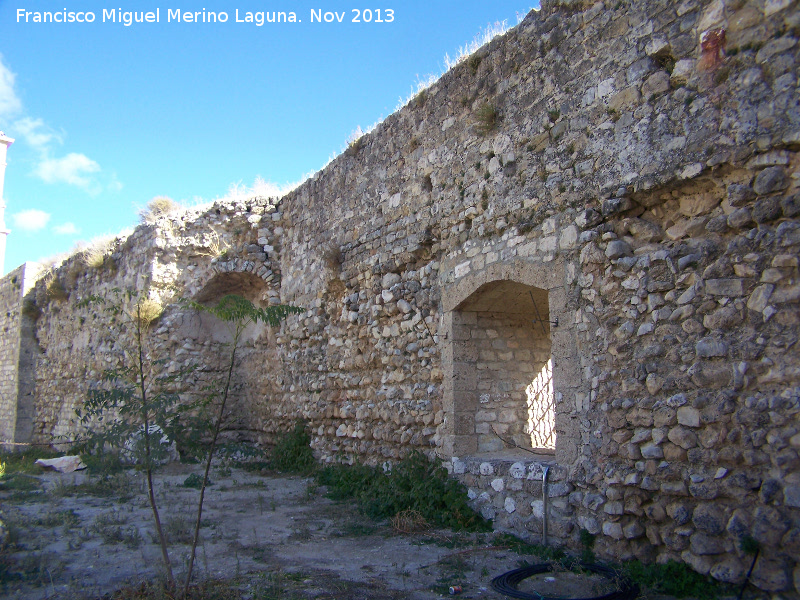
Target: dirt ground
column 276, row 536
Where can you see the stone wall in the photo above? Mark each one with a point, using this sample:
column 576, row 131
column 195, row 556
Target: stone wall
column 10, row 317
column 18, row 354
column 510, row 357
column 624, row 176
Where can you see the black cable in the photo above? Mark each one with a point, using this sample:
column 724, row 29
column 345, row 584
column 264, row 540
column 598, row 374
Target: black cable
column 507, row 583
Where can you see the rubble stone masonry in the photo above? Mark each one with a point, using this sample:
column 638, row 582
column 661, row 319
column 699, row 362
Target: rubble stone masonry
column 574, row 254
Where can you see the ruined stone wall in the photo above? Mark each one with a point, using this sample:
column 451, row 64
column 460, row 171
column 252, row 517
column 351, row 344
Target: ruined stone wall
column 634, row 164
column 18, row 355
column 192, row 256
column 648, row 185
column 10, row 322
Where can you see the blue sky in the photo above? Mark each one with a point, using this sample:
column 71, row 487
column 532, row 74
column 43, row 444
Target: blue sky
column 108, row 116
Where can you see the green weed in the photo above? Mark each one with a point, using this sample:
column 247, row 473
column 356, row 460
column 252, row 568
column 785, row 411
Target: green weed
column 159, row 206
column 675, row 579
column 587, row 541
column 66, row 518
column 194, row 481
column 487, row 117
column 354, row 529
column 37, row 568
column 104, row 463
column 111, row 529
column 210, row 589
column 415, row 483
column 524, row 548
column 116, row 486
column 292, row 452
column 474, row 63
column 179, row 530
column 24, row 462
column 20, row 482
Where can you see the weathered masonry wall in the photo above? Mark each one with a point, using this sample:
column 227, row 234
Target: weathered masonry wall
column 612, row 190
column 18, row 353
column 11, row 307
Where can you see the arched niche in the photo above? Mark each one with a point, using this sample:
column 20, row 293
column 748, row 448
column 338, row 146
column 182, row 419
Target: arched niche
column 203, row 327
column 510, row 364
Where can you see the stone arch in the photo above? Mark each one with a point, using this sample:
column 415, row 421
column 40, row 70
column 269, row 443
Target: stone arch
column 202, row 327
column 243, row 283
column 236, row 275
column 502, row 355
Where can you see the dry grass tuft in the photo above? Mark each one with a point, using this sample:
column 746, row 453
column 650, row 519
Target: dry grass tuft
column 410, row 521
column 145, row 311
column 160, row 206
column 216, row 246
column 95, row 254
column 333, row 257
column 55, row 289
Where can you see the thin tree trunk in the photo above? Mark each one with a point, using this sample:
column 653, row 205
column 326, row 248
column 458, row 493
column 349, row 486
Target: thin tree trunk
column 148, row 465
column 217, row 427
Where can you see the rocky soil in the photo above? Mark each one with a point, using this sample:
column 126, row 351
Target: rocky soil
column 78, row 537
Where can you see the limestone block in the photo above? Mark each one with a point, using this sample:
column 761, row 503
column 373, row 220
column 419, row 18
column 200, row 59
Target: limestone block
column 709, row 347
column 613, row 530
column 771, row 575
column 682, row 71
column 509, row 505
column 774, row 6
column 771, row 179
column 680, row 436
column 729, row 570
column 674, row 488
column 517, row 470
column 759, row 299
column 725, row 287
column 633, row 530
column 657, row 83
column 791, row 496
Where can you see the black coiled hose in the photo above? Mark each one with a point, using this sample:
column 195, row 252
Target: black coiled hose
column 507, row 583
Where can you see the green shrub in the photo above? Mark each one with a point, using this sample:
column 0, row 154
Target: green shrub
column 56, row 291
column 103, row 463
column 194, row 481
column 415, row 483
column 20, row 482
column 675, row 579
column 292, row 453
column 25, row 462
column 486, row 117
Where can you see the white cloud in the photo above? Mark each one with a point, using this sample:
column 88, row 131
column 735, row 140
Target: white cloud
column 66, row 229
column 9, row 101
column 36, row 133
column 71, row 169
column 115, row 185
column 30, row 220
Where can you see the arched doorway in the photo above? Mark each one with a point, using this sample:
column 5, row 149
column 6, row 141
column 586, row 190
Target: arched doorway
column 512, row 380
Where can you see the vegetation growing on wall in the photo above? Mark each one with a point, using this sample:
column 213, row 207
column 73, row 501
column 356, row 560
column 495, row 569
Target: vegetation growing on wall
column 159, row 206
